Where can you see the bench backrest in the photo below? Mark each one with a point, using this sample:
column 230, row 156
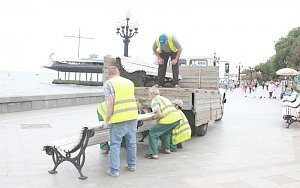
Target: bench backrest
column 98, row 135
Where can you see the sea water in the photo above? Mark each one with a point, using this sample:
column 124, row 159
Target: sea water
column 21, row 83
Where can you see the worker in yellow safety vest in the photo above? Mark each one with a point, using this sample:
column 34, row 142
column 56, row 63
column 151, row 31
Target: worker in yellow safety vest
column 167, row 118
column 101, row 112
column 121, row 117
column 183, row 131
column 165, row 47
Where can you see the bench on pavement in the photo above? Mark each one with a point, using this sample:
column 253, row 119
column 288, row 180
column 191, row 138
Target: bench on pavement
column 291, row 109
column 73, row 149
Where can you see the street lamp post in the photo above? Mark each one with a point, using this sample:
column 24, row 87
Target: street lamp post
column 240, row 66
column 127, row 30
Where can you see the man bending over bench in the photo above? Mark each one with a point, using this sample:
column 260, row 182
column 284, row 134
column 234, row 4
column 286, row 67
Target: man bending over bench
column 121, row 116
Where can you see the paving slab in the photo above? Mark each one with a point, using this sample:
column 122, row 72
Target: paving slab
column 249, row 148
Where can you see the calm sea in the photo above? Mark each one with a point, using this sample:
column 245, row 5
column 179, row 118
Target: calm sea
column 18, row 83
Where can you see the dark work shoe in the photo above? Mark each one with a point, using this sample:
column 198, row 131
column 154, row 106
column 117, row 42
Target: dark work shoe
column 180, row 146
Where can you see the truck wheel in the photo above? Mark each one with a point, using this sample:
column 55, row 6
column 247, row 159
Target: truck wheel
column 222, row 112
column 201, row 130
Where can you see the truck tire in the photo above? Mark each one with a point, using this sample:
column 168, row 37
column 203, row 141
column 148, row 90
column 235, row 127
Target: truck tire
column 201, row 130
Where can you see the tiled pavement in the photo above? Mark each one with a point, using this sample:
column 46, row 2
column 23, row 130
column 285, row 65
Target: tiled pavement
column 248, row 148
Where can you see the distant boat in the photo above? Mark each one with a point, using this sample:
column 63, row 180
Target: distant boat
column 86, row 65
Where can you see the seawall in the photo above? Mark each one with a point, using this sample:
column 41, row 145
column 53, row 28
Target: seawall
column 26, row 103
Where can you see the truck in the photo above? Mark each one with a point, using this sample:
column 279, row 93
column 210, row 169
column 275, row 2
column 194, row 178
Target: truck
column 199, row 88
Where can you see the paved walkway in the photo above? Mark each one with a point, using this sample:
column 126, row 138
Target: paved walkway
column 249, row 148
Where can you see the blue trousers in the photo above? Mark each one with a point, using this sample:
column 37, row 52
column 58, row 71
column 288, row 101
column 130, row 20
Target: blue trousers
column 117, row 131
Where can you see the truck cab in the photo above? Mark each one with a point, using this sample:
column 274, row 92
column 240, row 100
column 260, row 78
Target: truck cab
column 197, row 61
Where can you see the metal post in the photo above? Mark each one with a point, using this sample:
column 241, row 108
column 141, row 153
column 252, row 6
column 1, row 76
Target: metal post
column 239, row 76
column 126, row 42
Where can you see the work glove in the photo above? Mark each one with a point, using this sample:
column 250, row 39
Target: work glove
column 174, row 61
column 105, row 125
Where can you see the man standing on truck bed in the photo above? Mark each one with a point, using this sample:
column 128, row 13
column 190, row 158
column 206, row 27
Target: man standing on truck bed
column 165, row 47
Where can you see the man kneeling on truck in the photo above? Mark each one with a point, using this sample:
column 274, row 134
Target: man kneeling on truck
column 167, row 118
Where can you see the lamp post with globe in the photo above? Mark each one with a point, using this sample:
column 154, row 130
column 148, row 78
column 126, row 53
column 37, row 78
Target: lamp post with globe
column 127, row 30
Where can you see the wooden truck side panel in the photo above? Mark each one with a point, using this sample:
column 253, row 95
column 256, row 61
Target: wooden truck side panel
column 183, row 94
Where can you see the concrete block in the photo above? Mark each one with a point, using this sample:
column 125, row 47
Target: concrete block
column 79, row 101
column 33, row 98
column 14, row 107
column 25, row 106
column 96, row 100
column 51, row 104
column 71, row 102
column 61, row 102
column 15, row 99
column 4, row 99
column 36, row 105
column 53, row 97
column 3, row 108
column 86, row 100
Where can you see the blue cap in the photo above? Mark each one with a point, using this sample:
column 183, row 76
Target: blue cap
column 162, row 39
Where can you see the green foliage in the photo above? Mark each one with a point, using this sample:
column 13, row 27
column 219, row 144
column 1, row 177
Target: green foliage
column 287, row 55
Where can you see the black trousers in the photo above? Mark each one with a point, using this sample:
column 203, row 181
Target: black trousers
column 163, row 68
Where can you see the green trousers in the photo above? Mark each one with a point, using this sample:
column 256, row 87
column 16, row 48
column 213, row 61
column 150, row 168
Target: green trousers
column 104, row 145
column 162, row 131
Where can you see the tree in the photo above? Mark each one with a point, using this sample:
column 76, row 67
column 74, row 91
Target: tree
column 287, row 55
column 286, row 50
column 294, row 59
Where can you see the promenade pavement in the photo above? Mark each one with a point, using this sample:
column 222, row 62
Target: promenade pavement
column 249, row 148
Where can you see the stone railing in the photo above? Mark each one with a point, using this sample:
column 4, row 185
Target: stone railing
column 26, row 103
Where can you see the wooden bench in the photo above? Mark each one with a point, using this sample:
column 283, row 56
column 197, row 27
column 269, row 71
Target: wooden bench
column 73, row 149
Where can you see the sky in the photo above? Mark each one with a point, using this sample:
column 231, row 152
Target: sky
column 239, row 31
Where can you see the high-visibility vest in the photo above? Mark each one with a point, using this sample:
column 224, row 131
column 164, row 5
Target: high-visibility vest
column 169, row 112
column 170, row 42
column 181, row 132
column 125, row 107
column 102, row 109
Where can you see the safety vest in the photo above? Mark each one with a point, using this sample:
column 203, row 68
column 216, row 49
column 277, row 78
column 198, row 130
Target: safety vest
column 181, row 132
column 102, row 110
column 125, row 107
column 170, row 42
column 169, row 112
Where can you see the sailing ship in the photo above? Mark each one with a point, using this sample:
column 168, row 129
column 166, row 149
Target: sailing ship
column 83, row 65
